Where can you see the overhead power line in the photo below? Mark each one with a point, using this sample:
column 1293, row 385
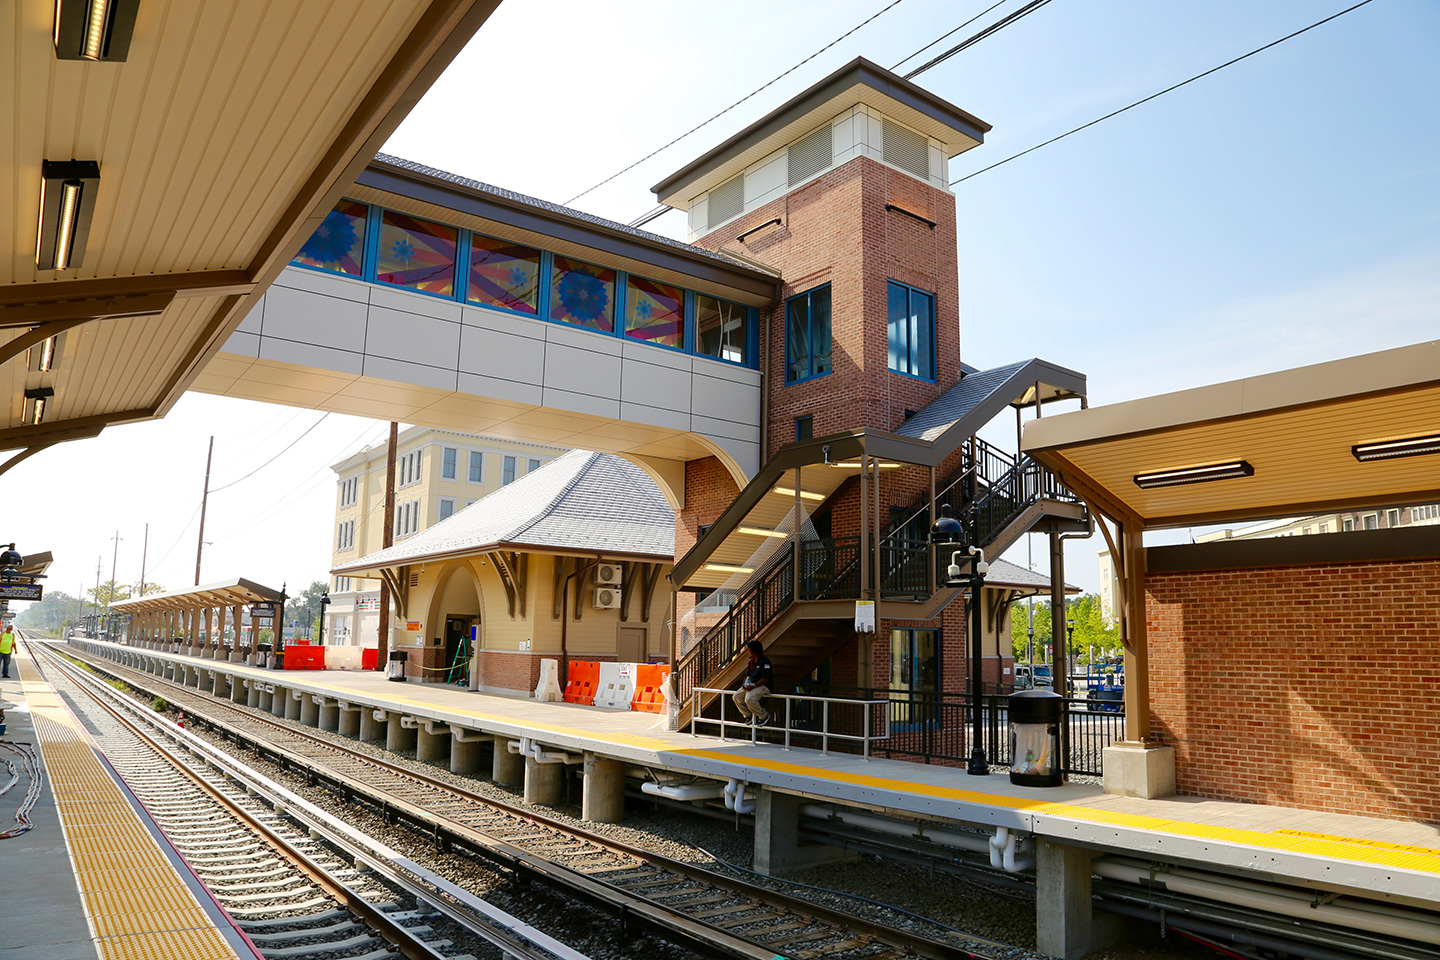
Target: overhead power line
column 704, row 123
column 989, row 31
column 945, row 36
column 274, row 458
column 1153, row 96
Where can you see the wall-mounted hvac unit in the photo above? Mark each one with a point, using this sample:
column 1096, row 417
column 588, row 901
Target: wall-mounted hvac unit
column 607, row 598
column 607, row 574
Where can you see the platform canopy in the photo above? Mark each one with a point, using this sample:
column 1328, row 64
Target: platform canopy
column 1347, row 434
column 230, row 593
column 154, row 183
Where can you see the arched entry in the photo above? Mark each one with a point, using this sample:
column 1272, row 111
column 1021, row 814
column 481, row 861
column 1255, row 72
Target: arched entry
column 455, row 608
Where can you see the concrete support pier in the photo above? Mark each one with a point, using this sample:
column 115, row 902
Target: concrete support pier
column 349, row 719
column 1065, row 923
column 778, row 847
column 507, row 769
column 329, row 716
column 465, row 750
column 241, row 691
column 310, row 709
column 399, row 738
column 373, row 724
column 544, row 782
column 432, row 741
column 603, row 799
column 294, row 703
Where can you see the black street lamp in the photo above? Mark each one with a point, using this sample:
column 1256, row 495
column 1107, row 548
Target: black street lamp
column 324, row 602
column 947, row 530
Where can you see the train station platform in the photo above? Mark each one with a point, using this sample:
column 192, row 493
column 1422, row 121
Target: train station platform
column 94, row 876
column 1395, row 860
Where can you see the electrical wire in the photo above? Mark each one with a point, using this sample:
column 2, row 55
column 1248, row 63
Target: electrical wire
column 944, row 36
column 989, row 31
column 274, row 458
column 1153, row 96
column 183, row 530
column 704, row 123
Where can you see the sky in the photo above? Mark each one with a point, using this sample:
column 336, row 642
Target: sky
column 1280, row 212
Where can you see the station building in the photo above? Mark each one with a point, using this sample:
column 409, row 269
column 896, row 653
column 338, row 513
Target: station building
column 437, row 474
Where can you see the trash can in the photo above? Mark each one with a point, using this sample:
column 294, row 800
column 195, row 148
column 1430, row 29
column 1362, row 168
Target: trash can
column 262, row 656
column 395, row 670
column 1035, row 717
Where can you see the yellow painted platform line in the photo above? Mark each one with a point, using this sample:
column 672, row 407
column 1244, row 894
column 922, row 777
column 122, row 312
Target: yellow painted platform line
column 137, row 906
column 1334, row 848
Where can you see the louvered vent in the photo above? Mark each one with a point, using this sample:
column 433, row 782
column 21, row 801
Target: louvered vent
column 727, row 201
column 414, row 579
column 810, row 156
column 905, row 149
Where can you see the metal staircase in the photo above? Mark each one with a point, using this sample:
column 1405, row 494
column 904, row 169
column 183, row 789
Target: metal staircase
column 996, row 498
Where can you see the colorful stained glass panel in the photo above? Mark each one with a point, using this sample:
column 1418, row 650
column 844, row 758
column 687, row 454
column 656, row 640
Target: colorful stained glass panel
column 655, row 312
column 722, row 328
column 339, row 242
column 417, row 254
column 504, row 275
column 583, row 294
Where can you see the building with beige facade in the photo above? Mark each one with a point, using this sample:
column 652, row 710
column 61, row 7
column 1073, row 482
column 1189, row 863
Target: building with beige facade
column 438, row 473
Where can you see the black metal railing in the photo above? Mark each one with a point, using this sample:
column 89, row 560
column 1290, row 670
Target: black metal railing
column 936, row 728
column 830, row 568
column 904, row 568
column 749, row 614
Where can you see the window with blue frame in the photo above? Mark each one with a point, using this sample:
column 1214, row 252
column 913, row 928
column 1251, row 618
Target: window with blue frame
column 654, row 312
column 415, row 253
column 911, row 315
column 582, row 294
column 722, row 329
column 504, row 275
column 914, row 677
column 339, row 242
column 807, row 335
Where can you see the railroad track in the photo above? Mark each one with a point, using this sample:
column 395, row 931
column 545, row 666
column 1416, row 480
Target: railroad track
column 294, row 880
column 700, row 909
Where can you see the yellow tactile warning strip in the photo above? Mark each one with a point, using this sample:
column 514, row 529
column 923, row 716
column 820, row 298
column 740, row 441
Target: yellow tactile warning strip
column 1334, row 848
column 136, row 904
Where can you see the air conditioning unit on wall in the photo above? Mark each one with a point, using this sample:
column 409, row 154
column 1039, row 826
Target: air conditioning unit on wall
column 607, row 598
column 607, row 574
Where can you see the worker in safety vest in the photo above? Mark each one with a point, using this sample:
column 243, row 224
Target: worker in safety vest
column 7, row 647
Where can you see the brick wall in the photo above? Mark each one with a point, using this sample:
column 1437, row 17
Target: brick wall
column 1310, row 686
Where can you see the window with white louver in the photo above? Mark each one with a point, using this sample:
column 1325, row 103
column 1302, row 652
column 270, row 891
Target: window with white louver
column 727, row 201
column 809, row 156
column 905, row 149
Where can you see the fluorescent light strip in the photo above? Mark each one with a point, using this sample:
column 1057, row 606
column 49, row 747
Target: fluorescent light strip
column 95, row 29
column 804, row 494
column 69, row 205
column 1390, row 449
column 727, row 568
column 47, row 355
column 757, row 532
column 1214, row 471
column 38, row 410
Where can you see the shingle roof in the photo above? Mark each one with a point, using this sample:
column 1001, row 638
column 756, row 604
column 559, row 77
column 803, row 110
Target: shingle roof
column 556, row 208
column 1006, row 574
column 582, row 501
column 952, row 405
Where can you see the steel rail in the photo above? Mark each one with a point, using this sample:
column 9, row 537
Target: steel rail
column 634, row 907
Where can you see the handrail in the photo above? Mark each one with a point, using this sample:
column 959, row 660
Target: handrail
column 866, row 737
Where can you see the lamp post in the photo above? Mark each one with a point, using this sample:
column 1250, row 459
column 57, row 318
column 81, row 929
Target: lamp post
column 947, row 530
column 324, row 602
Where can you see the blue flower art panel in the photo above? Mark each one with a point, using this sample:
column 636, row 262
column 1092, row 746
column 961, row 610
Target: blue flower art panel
column 583, row 294
column 339, row 242
column 417, row 254
column 504, row 275
column 655, row 313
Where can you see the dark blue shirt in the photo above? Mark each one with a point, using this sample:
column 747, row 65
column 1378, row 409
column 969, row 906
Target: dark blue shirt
column 761, row 674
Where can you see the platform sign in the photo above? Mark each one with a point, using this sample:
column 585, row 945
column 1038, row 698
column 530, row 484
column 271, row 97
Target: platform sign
column 263, row 609
column 413, row 626
column 864, row 616
column 20, row 591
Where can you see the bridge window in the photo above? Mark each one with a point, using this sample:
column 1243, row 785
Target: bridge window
column 338, row 244
column 504, row 275
column 807, row 335
column 722, row 329
column 912, row 331
column 583, row 294
column 655, row 312
column 417, row 254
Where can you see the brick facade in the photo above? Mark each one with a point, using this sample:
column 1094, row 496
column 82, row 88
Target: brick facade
column 1274, row 691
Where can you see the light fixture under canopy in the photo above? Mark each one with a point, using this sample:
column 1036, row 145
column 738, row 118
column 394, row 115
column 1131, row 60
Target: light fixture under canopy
column 1228, row 470
column 1390, row 449
column 67, row 205
column 98, row 30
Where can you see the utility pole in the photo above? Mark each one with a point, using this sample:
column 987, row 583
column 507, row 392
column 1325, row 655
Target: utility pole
column 114, row 556
column 144, row 554
column 98, row 562
column 204, row 499
column 387, row 538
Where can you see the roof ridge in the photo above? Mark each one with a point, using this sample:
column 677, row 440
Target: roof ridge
column 545, row 511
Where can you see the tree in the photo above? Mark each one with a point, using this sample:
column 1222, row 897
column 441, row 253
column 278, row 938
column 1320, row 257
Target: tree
column 1019, row 624
column 304, row 608
column 52, row 614
column 150, row 589
column 109, row 592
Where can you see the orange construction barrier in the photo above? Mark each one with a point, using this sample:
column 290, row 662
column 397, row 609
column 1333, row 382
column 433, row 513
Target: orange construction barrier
column 649, row 678
column 580, row 679
column 301, row 656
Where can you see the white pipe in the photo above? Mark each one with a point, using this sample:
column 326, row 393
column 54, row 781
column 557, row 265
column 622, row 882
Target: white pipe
column 898, row 828
column 1285, row 903
column 711, row 790
column 1002, row 852
column 735, row 798
column 539, row 754
column 466, row 735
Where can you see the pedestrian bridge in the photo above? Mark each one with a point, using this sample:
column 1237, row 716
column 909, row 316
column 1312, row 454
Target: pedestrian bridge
column 359, row 335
